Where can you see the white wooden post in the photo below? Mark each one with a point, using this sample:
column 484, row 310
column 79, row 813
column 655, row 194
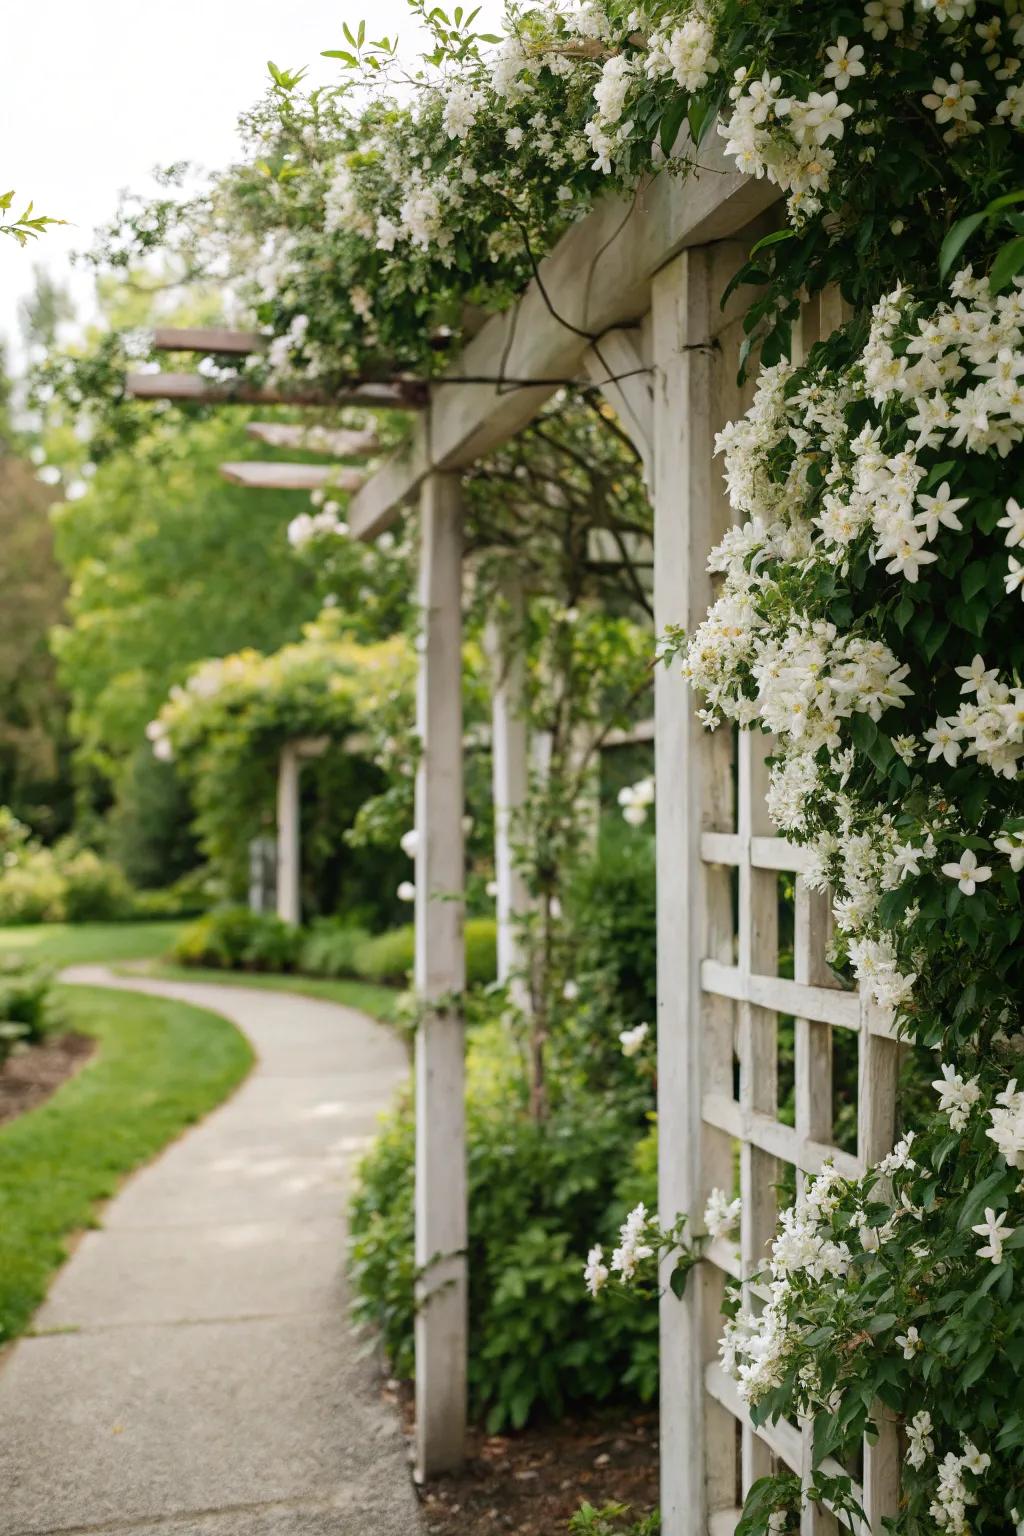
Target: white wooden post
column 692, row 395
column 510, row 779
column 441, row 1221
column 288, row 835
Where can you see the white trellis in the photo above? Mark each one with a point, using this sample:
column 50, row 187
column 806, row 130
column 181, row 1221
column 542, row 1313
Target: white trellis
column 635, row 290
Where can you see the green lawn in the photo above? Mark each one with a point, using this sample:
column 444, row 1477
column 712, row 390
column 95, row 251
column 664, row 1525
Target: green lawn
column 60, row 944
column 378, row 1001
column 160, row 1066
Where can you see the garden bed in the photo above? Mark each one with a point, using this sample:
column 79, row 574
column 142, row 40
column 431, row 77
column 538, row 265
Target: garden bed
column 29, row 1076
column 532, row 1482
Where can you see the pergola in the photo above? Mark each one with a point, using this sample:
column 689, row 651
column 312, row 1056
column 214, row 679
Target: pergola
column 628, row 302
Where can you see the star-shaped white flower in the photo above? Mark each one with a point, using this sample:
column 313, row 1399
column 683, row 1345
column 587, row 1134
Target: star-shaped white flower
column 940, row 508
column 1012, row 844
column 968, row 873
column 1013, row 522
column 844, row 63
column 993, row 1228
column 1014, row 580
column 976, row 677
column 910, row 1343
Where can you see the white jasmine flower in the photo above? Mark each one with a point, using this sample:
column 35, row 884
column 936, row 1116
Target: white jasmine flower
column 1012, row 844
column 995, row 1230
column 1013, row 522
column 632, row 1039
column 910, row 1342
column 1014, row 580
column 967, row 872
column 957, row 1095
column 570, row 992
column 410, row 843
column 406, row 891
column 844, row 63
column 720, row 1214
column 595, row 1272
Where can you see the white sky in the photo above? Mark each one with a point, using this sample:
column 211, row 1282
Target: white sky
column 98, row 92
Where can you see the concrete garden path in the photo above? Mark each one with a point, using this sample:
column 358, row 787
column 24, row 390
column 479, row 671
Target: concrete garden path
column 193, row 1371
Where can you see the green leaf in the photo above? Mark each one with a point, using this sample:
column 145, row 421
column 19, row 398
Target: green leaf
column 978, row 1198
column 1007, row 264
column 1006, row 201
column 956, row 239
column 775, row 238
column 678, row 1279
column 671, row 123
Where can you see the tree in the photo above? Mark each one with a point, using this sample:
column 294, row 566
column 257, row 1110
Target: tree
column 168, row 564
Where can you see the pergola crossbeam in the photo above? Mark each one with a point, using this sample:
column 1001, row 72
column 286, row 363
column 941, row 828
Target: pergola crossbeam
column 259, row 476
column 596, row 280
column 342, row 442
column 181, row 387
column 212, row 339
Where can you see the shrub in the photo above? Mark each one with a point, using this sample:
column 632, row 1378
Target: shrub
column 329, row 947
column 32, row 891
column 28, row 1008
column 538, row 1195
column 389, row 957
column 235, row 938
column 94, row 889
column 61, row 884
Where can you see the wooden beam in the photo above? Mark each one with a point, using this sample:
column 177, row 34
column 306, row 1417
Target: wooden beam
column 288, row 837
column 615, row 365
column 510, row 775
column 441, row 1215
column 343, row 442
column 403, row 395
column 259, row 476
column 694, row 394
column 597, row 278
column 172, row 338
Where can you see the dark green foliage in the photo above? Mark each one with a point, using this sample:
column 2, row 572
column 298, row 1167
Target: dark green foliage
column 612, row 1520
column 539, row 1196
column 27, row 1005
column 389, row 957
column 150, row 832
column 329, row 947
column 234, row 937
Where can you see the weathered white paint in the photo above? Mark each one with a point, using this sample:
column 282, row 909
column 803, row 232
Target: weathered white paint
column 692, row 396
column 510, row 777
column 441, row 1224
column 289, row 854
column 616, row 366
column 598, row 277
column 193, row 386
column 344, row 442
column 174, row 338
column 271, row 476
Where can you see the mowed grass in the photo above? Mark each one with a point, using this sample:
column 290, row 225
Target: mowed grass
column 60, row 944
column 159, row 1066
column 368, row 996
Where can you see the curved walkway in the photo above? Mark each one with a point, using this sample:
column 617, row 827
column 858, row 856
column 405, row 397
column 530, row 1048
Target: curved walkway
column 193, row 1372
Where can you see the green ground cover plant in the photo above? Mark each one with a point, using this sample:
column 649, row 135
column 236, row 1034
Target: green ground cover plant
column 159, row 1067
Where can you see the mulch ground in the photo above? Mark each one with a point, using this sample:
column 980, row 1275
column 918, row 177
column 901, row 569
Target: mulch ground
column 31, row 1074
column 530, row 1483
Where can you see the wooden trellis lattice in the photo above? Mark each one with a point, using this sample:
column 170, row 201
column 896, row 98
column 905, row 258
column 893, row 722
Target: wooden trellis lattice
column 722, row 1000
